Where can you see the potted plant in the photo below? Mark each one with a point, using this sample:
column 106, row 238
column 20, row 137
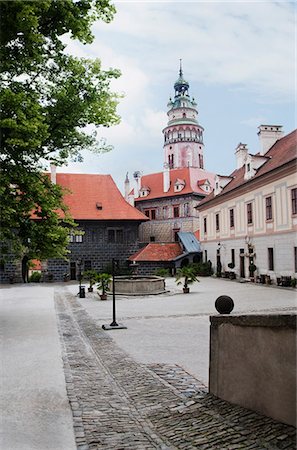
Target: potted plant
column 232, row 275
column 252, row 269
column 91, row 277
column 185, row 276
column 103, row 280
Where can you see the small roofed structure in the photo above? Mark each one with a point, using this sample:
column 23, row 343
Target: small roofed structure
column 168, row 255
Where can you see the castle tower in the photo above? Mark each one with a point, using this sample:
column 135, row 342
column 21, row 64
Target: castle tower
column 183, row 136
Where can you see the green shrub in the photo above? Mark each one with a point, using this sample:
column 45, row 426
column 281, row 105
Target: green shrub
column 161, row 272
column 202, row 269
column 35, row 277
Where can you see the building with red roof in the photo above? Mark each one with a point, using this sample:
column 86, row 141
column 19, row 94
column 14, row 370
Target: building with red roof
column 108, row 225
column 250, row 219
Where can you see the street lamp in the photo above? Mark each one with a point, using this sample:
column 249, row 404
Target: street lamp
column 81, row 292
column 114, row 325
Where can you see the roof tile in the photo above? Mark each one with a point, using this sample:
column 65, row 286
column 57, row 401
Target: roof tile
column 158, row 252
column 87, row 191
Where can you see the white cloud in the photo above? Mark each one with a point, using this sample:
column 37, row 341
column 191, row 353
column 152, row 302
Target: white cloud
column 246, row 44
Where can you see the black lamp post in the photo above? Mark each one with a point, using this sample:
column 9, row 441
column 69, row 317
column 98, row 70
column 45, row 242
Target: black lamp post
column 81, row 292
column 114, row 325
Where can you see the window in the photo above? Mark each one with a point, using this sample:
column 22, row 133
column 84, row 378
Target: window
column 151, row 213
column 295, row 259
column 205, row 225
column 268, row 202
column 115, row 235
column 231, row 218
column 111, row 236
column 248, row 167
column 87, row 265
column 270, row 259
column 152, row 238
column 75, row 238
column 217, row 222
column 176, row 211
column 165, row 212
column 294, row 200
column 186, row 210
column 233, row 256
column 119, row 236
column 249, row 209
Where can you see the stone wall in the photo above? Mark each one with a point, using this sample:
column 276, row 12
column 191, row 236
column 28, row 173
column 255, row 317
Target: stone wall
column 253, row 363
column 162, row 229
column 10, row 270
column 94, row 250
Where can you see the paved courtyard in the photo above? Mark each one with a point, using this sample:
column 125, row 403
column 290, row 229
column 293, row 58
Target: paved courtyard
column 140, row 388
column 173, row 328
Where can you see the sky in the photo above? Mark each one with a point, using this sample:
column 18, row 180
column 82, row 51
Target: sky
column 238, row 57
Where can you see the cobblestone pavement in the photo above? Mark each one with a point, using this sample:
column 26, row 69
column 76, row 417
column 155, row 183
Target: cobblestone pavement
column 119, row 404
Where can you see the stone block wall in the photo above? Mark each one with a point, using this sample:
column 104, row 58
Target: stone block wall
column 95, row 248
column 253, row 363
column 162, row 229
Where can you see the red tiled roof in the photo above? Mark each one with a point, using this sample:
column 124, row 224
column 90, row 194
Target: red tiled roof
column 157, row 252
column 197, row 234
column 87, row 191
column 36, row 264
column 282, row 152
column 190, row 175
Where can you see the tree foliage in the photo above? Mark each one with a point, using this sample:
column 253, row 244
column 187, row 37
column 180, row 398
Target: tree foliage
column 48, row 99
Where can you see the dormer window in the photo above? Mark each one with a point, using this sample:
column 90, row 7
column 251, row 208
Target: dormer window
column 144, row 191
column 99, row 206
column 179, row 185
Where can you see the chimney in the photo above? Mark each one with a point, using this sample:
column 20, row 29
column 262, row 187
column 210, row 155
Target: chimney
column 127, row 187
column 241, row 153
column 268, row 135
column 166, row 177
column 53, row 173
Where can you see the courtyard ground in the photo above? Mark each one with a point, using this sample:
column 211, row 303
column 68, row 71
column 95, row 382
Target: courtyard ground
column 140, row 388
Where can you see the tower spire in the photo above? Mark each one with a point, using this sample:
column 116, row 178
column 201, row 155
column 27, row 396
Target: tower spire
column 180, row 68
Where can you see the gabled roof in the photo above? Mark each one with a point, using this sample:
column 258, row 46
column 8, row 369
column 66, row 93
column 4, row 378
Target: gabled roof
column 281, row 153
column 158, row 252
column 189, row 175
column 96, row 197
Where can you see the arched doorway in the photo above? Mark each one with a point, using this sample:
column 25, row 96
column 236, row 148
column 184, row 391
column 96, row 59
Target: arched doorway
column 185, row 262
column 25, row 269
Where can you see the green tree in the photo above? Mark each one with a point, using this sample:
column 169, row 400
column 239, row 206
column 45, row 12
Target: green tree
column 48, row 99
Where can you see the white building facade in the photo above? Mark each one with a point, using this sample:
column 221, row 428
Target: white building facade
column 251, row 217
